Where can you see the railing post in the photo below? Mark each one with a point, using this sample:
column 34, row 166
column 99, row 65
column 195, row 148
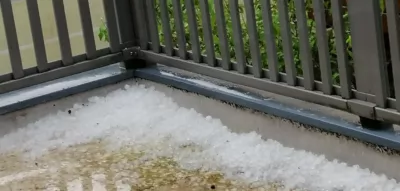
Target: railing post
column 125, row 22
column 141, row 23
column 369, row 61
column 128, row 23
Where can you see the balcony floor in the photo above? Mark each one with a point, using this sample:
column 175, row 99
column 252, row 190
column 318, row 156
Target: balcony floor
column 136, row 136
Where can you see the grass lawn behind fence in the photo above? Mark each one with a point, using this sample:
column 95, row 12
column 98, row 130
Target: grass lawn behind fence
column 49, row 31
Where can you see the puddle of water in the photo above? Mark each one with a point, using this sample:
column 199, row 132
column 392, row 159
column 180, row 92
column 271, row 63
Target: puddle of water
column 93, row 167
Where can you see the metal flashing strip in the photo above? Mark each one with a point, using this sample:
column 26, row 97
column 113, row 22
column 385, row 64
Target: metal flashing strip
column 328, row 123
column 13, row 101
column 63, row 87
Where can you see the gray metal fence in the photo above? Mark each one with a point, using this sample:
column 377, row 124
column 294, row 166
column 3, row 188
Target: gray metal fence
column 68, row 64
column 338, row 53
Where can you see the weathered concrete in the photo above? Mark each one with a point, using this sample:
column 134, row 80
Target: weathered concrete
column 239, row 120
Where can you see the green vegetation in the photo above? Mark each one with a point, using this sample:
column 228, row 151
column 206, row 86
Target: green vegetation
column 261, row 36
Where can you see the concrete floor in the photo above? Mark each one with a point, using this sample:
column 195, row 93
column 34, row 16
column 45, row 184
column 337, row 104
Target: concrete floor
column 288, row 133
column 238, row 120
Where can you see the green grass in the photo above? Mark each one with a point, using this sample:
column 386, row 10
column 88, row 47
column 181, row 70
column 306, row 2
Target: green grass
column 49, row 31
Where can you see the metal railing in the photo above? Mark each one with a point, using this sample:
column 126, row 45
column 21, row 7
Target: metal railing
column 68, row 63
column 339, row 53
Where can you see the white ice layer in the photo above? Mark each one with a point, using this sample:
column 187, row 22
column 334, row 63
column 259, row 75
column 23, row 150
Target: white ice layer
column 151, row 121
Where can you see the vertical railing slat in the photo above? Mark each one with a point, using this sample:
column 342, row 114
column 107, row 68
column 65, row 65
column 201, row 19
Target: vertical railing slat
column 208, row 36
column 37, row 35
column 12, row 39
column 341, row 49
column 62, row 31
column 194, row 33
column 180, row 29
column 222, row 34
column 323, row 49
column 141, row 27
column 87, row 28
column 290, row 67
column 392, row 8
column 237, row 36
column 270, row 40
column 151, row 13
column 111, row 18
column 253, row 38
column 305, row 50
column 166, row 28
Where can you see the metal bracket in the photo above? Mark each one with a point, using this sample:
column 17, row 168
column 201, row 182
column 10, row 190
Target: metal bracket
column 133, row 58
column 367, row 113
column 132, row 53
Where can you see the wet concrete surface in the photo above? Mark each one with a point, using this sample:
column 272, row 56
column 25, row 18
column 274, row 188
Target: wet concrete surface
column 74, row 168
column 92, row 166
